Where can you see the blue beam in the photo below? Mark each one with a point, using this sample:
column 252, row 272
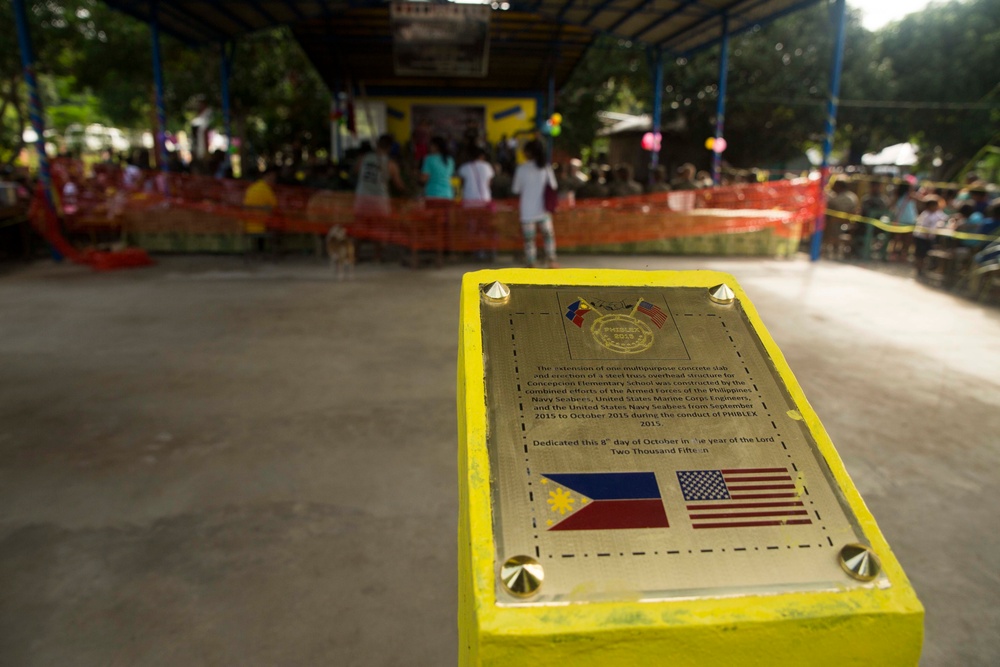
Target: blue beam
column 205, row 32
column 213, row 6
column 425, row 91
column 268, row 16
column 295, row 10
column 720, row 111
column 231, row 17
column 642, row 9
column 695, row 27
column 34, row 100
column 654, row 159
column 161, row 111
column 666, row 17
column 597, row 10
column 199, row 32
column 748, row 24
column 831, row 124
column 568, row 5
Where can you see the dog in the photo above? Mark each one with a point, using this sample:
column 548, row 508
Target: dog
column 340, row 248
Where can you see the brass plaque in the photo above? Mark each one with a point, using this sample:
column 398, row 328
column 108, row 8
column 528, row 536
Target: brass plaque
column 643, row 446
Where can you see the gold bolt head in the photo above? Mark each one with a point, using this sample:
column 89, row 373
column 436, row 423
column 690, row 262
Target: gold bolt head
column 496, row 292
column 859, row 562
column 522, row 576
column 721, row 294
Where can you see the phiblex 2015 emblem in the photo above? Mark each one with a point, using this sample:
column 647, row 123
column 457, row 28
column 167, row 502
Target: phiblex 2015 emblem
column 619, row 332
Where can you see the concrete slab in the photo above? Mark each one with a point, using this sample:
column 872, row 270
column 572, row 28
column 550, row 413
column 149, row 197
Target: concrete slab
column 206, row 463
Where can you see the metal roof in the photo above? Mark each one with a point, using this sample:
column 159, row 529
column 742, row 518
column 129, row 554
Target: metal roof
column 679, row 27
column 523, row 50
column 206, row 21
column 352, row 38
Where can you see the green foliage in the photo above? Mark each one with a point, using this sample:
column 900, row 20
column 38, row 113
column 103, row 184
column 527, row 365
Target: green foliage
column 947, row 53
column 285, row 103
column 82, row 76
column 95, row 65
column 613, row 76
column 778, row 82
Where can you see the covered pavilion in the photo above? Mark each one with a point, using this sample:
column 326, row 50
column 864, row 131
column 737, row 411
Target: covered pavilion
column 530, row 46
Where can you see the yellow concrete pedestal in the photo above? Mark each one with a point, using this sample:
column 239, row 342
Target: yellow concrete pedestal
column 871, row 626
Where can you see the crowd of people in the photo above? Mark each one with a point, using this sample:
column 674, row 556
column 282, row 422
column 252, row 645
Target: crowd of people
column 469, row 176
column 429, row 165
column 951, row 226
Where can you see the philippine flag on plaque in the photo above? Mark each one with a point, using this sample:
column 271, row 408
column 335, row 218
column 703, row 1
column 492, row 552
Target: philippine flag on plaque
column 603, row 501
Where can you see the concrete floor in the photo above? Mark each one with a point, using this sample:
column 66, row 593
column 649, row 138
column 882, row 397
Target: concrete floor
column 202, row 464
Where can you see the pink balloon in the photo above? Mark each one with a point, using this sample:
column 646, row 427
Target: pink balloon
column 719, row 146
column 651, row 142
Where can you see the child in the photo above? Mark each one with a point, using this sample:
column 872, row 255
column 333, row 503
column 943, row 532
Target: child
column 928, row 222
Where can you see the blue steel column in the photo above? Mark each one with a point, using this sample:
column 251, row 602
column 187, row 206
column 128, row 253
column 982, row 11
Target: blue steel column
column 720, row 111
column 654, row 159
column 161, row 112
column 552, row 105
column 831, row 127
column 34, row 101
column 227, row 120
column 335, row 142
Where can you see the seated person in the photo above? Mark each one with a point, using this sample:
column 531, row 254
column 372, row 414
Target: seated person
column 595, row 187
column 659, row 183
column 624, row 185
column 685, row 178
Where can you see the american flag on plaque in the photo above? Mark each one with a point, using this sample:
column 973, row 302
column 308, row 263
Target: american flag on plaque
column 653, row 312
column 741, row 497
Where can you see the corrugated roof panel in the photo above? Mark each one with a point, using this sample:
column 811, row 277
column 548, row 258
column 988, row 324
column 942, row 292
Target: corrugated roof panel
column 358, row 32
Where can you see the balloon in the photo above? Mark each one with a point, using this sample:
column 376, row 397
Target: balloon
column 555, row 131
column 557, row 119
column 651, row 142
column 709, row 143
column 720, row 145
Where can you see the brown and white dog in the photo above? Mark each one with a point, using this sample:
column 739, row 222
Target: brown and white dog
column 340, row 248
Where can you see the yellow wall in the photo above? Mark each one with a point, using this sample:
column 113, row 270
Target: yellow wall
column 401, row 128
column 859, row 626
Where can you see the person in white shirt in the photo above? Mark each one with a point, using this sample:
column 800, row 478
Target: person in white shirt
column 928, row 222
column 476, row 175
column 530, row 180
column 477, row 204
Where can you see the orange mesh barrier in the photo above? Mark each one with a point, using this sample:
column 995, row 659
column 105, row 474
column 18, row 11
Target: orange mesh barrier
column 191, row 205
column 46, row 223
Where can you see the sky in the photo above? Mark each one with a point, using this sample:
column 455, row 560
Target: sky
column 879, row 12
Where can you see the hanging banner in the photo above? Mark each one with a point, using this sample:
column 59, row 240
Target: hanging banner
column 440, row 39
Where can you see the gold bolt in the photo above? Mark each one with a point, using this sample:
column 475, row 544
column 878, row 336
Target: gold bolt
column 859, row 562
column 721, row 294
column 496, row 292
column 522, row 576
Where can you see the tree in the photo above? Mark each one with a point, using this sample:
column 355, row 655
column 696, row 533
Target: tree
column 612, row 76
column 944, row 60
column 95, row 65
column 930, row 78
column 77, row 48
column 778, row 78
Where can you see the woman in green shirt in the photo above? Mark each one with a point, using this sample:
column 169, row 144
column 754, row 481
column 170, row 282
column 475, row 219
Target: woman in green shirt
column 437, row 171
